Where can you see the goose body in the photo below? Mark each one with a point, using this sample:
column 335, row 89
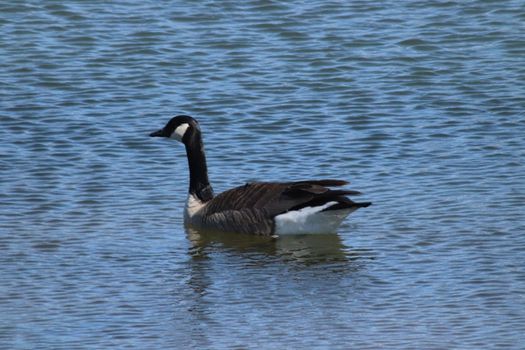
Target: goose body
column 262, row 208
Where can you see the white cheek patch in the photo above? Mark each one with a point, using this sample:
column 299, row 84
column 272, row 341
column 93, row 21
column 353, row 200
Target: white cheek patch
column 178, row 134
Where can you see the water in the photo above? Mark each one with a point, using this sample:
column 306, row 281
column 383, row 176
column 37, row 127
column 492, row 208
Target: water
column 419, row 103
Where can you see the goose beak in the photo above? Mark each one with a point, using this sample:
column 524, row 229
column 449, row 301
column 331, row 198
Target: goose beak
column 158, row 133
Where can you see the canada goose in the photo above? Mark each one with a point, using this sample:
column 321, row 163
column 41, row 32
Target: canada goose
column 262, row 208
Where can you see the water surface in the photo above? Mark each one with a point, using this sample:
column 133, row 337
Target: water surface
column 419, row 103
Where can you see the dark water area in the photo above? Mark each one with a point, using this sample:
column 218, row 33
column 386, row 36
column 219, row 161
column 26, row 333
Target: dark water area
column 420, row 104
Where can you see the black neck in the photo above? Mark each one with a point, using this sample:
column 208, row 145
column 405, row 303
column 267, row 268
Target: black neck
column 199, row 183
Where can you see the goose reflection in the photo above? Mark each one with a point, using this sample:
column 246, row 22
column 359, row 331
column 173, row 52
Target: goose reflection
column 236, row 267
column 309, row 249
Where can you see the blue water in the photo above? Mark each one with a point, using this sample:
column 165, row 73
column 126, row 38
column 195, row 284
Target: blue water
column 420, row 104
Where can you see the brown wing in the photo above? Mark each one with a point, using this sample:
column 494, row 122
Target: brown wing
column 276, row 198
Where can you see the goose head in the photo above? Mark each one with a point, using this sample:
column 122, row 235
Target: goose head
column 179, row 128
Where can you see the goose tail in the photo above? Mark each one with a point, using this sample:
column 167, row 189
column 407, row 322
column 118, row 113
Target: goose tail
column 348, row 204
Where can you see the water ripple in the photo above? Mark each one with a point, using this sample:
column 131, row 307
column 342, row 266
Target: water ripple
column 419, row 104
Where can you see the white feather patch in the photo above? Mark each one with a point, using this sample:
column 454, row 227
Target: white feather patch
column 179, row 132
column 193, row 205
column 310, row 220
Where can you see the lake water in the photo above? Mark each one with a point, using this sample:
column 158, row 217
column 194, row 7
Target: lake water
column 420, row 104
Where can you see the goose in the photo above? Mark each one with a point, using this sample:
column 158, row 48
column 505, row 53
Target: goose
column 260, row 208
